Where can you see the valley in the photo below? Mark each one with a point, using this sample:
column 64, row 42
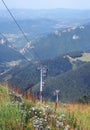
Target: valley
column 44, row 68
column 59, row 43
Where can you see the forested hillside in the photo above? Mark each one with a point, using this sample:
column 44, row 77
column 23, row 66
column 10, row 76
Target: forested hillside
column 28, row 74
column 73, row 84
column 66, row 72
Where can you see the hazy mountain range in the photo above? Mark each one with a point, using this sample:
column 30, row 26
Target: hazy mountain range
column 59, row 39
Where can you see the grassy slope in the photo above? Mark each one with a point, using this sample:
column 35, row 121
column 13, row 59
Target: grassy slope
column 9, row 113
column 72, row 115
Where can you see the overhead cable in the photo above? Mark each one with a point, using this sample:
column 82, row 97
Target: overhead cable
column 18, row 26
column 15, row 21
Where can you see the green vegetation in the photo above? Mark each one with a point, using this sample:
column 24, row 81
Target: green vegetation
column 29, row 114
column 9, row 113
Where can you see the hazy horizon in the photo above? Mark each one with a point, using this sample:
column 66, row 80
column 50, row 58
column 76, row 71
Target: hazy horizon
column 47, row 4
column 45, row 9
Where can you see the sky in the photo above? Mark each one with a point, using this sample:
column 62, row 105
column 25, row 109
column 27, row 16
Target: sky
column 46, row 4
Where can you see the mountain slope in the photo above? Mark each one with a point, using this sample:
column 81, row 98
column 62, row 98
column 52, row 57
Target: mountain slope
column 75, row 38
column 69, row 73
column 26, row 75
column 9, row 57
column 73, row 84
column 8, row 54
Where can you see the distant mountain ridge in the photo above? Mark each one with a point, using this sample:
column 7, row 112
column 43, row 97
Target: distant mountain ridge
column 37, row 23
column 74, row 38
column 49, row 13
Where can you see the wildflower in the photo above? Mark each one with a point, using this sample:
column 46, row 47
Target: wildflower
column 62, row 117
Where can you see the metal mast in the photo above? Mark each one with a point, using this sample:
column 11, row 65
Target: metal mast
column 57, row 95
column 41, row 85
column 43, row 72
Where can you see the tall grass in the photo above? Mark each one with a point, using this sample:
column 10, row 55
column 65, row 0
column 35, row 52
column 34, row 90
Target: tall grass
column 9, row 113
column 77, row 114
column 33, row 114
column 81, row 114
